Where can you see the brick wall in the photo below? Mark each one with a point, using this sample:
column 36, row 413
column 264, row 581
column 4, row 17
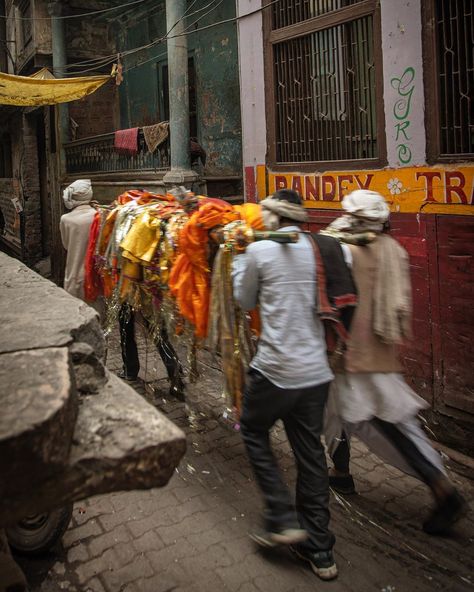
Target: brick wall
column 97, row 113
column 10, row 188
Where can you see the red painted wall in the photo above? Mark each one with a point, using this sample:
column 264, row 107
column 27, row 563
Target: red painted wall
column 454, row 319
column 439, row 360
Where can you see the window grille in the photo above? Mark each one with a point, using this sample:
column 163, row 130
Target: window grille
column 290, row 12
column 455, row 57
column 324, row 81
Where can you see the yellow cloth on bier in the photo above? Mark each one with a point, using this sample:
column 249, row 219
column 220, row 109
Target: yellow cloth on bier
column 142, row 239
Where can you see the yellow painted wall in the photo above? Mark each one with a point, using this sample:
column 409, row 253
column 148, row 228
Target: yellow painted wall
column 437, row 189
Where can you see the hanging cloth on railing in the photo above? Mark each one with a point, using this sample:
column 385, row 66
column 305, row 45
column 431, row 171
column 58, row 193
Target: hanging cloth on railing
column 32, row 91
column 126, row 141
column 155, row 135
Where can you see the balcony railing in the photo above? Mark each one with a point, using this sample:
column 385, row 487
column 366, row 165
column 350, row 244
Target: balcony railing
column 98, row 155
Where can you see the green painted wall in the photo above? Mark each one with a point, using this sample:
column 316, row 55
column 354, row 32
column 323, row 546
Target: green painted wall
column 217, row 80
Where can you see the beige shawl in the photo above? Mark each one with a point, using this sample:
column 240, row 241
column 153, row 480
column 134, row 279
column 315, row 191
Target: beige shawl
column 392, row 295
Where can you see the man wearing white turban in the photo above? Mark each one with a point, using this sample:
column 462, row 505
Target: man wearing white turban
column 369, row 397
column 74, row 227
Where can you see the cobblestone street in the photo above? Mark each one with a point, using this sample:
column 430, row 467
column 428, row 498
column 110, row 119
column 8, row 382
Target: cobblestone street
column 192, row 535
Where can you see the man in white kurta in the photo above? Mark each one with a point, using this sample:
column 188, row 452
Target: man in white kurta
column 370, row 398
column 74, row 227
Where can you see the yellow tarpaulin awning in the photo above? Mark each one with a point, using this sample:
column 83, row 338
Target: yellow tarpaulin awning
column 32, row 91
column 43, row 74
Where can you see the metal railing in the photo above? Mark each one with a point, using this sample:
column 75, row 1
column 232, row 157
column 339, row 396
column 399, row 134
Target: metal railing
column 97, row 154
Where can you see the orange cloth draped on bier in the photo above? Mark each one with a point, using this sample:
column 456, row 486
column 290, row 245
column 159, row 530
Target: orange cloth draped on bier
column 251, row 214
column 189, row 277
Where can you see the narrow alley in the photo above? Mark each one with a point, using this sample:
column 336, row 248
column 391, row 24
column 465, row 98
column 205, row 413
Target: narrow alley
column 192, row 535
column 215, row 215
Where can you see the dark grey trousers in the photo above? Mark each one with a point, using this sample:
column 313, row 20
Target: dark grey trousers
column 302, row 413
column 425, row 469
column 131, row 362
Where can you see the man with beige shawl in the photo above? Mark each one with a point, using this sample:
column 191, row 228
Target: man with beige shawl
column 369, row 397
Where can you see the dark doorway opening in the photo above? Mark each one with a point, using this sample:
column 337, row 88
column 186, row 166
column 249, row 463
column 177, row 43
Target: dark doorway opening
column 43, row 184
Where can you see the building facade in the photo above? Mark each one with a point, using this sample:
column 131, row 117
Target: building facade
column 143, row 99
column 345, row 94
column 40, row 155
column 30, row 166
column 323, row 96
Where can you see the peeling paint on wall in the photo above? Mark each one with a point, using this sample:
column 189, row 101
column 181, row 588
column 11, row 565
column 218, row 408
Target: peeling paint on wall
column 216, row 83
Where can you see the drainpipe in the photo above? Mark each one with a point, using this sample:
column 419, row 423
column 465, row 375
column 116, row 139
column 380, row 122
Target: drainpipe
column 180, row 172
column 57, row 168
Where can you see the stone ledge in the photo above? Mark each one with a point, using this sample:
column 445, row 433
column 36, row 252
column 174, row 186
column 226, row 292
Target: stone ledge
column 120, row 442
column 39, row 409
column 37, row 314
column 71, row 430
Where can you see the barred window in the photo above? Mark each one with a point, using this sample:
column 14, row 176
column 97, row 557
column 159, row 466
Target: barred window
column 290, row 12
column 322, row 69
column 449, row 66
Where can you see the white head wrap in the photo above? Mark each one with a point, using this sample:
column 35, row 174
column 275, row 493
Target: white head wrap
column 366, row 204
column 274, row 209
column 78, row 193
column 365, row 211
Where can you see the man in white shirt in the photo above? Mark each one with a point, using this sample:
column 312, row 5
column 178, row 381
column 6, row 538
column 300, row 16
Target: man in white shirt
column 75, row 227
column 288, row 379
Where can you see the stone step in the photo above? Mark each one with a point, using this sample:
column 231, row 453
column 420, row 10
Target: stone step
column 38, row 414
column 68, row 428
column 120, row 442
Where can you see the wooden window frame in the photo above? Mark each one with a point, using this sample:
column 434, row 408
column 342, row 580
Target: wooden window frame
column 432, row 90
column 324, row 21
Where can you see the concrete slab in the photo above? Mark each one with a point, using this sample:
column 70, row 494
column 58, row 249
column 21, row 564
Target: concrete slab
column 39, row 408
column 29, row 323
column 120, row 443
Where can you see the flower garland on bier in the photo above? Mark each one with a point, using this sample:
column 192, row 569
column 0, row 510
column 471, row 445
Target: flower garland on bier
column 170, row 257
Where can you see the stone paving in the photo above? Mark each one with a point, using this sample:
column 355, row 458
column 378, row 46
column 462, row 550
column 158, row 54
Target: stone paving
column 192, row 535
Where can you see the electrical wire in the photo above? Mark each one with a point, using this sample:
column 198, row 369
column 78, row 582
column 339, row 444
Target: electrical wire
column 72, row 16
column 111, row 58
column 106, row 60
column 203, row 15
column 154, row 58
column 229, row 20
